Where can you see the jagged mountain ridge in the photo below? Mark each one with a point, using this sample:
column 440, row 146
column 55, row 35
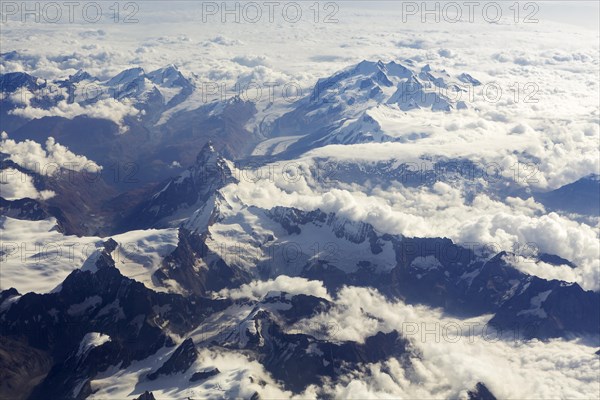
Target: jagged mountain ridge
column 346, row 107
column 142, row 146
column 433, row 271
column 167, row 85
column 98, row 299
column 226, row 238
column 182, row 195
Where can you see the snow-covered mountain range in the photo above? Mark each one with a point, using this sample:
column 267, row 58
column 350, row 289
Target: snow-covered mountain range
column 352, row 105
column 220, row 254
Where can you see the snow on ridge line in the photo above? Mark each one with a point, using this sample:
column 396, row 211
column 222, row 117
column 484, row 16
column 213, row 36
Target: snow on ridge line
column 90, row 341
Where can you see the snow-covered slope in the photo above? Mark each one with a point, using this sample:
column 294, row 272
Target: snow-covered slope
column 349, row 106
column 182, row 195
column 150, row 94
column 36, row 257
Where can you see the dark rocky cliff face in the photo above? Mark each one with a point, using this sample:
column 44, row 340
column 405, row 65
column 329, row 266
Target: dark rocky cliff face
column 98, row 300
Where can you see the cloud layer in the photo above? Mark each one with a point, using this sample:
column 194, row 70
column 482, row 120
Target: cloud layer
column 45, row 161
